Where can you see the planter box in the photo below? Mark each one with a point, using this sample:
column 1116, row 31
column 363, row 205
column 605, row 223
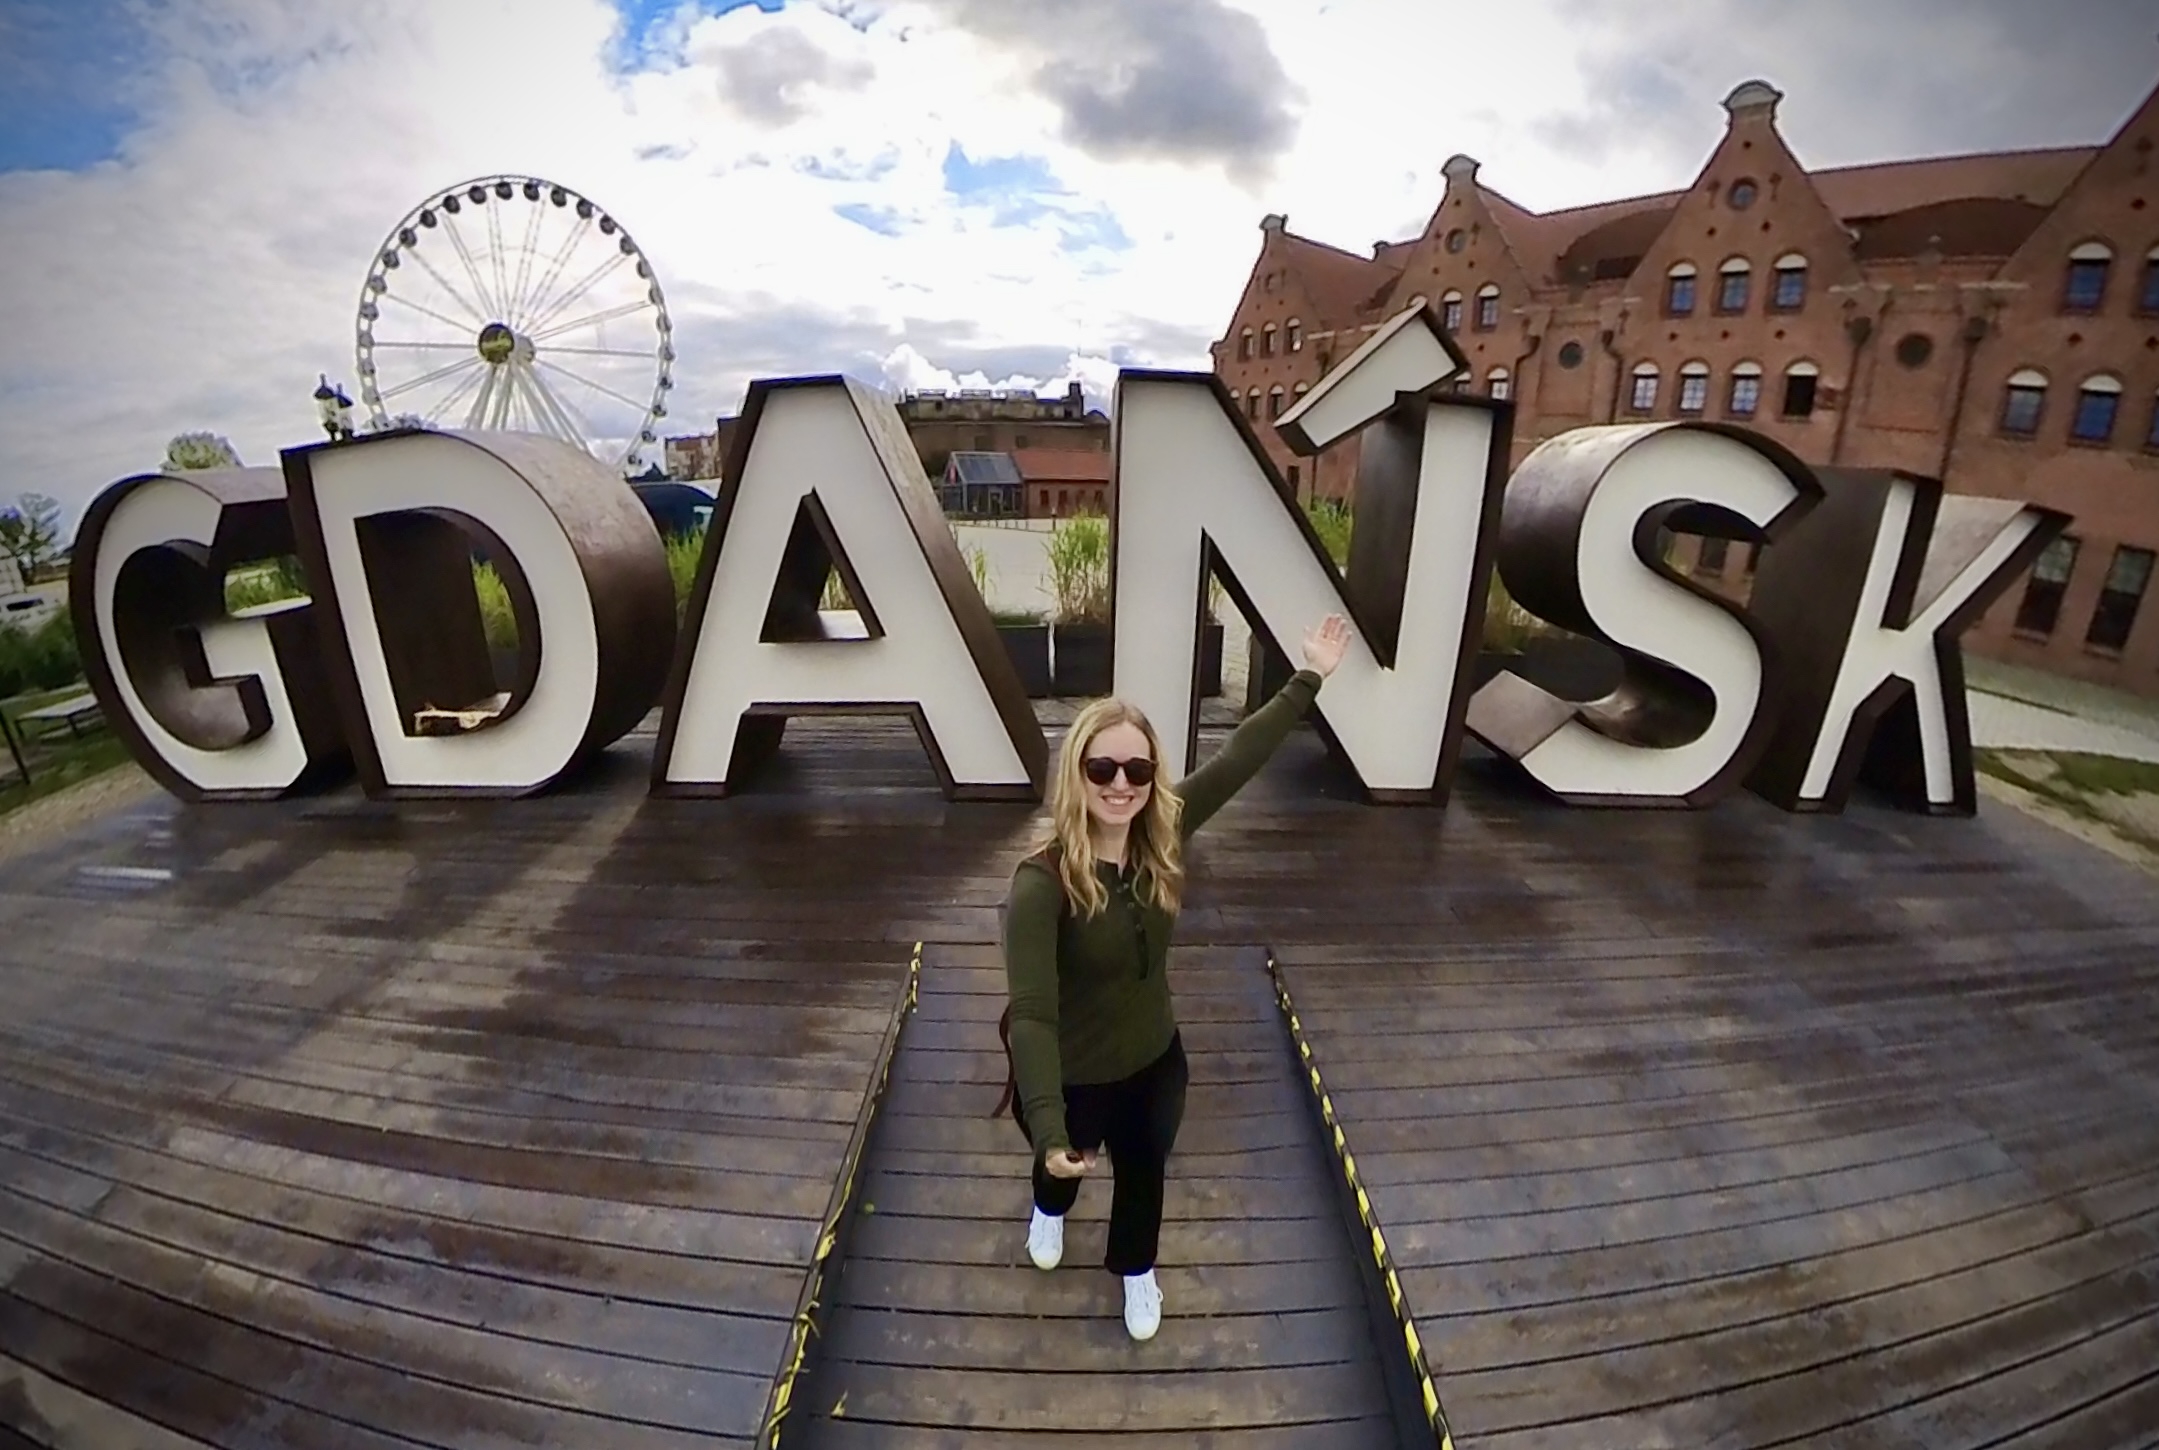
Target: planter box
column 1080, row 660
column 1029, row 647
column 1210, row 661
column 1570, row 667
column 1265, row 673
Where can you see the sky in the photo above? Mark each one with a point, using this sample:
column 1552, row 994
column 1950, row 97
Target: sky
column 920, row 193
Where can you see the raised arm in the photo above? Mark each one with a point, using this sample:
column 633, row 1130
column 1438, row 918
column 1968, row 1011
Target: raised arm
column 1209, row 788
column 1031, row 913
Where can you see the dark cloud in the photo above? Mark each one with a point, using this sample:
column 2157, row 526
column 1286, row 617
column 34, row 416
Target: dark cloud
column 1181, row 80
column 1864, row 81
column 768, row 77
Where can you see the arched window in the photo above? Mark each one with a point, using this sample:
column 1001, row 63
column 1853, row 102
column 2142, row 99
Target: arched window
column 2099, row 403
column 1294, row 330
column 1450, row 311
column 1303, row 388
column 1274, row 401
column 2086, row 286
column 1733, row 280
column 2042, row 602
column 1500, row 384
column 2115, row 614
column 1266, row 340
column 2148, row 294
column 1644, row 396
column 2024, row 398
column 1693, row 387
column 1244, row 346
column 1251, row 404
column 1487, row 307
column 1801, row 380
column 1789, row 292
column 1746, row 394
column 1679, row 285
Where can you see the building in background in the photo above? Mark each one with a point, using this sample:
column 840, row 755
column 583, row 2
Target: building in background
column 942, row 424
column 26, row 605
column 981, row 486
column 1989, row 320
column 1013, row 421
column 1060, row 482
column 992, row 453
column 696, row 455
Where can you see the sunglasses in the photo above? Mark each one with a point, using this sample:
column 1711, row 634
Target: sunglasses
column 1102, row 770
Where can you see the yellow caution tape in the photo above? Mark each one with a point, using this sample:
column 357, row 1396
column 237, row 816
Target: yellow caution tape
column 1383, row 1258
column 805, row 1323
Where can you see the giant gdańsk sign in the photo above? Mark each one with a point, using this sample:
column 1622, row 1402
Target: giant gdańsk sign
column 1844, row 660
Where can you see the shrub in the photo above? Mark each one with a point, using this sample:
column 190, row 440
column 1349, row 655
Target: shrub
column 495, row 611
column 835, row 595
column 1079, row 569
column 1331, row 520
column 1507, row 625
column 683, row 552
column 40, row 658
column 252, row 585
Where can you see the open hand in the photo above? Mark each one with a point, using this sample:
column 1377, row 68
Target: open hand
column 1067, row 1164
column 1324, row 643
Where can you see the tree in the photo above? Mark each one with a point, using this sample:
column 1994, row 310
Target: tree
column 30, row 532
column 200, row 450
column 398, row 420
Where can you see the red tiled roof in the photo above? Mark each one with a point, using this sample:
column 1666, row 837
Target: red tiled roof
column 1982, row 226
column 1551, row 243
column 1853, row 192
column 1339, row 283
column 1062, row 465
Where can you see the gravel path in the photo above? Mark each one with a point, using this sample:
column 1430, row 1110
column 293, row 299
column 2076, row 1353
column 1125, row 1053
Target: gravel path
column 51, row 817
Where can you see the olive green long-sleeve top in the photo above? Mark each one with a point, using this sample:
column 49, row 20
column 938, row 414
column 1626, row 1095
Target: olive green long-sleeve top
column 1090, row 995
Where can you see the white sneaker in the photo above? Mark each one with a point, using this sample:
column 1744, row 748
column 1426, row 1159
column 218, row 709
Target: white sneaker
column 1142, row 1305
column 1046, row 1240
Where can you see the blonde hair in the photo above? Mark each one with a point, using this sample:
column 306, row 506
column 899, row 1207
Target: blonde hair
column 1155, row 846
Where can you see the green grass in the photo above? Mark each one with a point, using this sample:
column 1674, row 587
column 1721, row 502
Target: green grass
column 57, row 760
column 2072, row 781
column 63, row 766
column 683, row 552
column 1333, row 522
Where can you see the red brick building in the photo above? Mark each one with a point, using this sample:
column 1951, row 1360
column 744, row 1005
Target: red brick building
column 1990, row 320
column 1064, row 481
column 1043, row 432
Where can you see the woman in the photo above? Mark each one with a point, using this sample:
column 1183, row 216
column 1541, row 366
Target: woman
column 1095, row 1053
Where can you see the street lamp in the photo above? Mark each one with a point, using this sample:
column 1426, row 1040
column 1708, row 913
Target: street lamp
column 334, row 409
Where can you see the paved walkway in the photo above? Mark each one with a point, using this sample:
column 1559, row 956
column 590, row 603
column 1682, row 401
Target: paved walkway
column 2007, row 724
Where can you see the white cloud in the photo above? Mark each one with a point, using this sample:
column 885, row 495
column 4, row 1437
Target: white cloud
column 207, row 274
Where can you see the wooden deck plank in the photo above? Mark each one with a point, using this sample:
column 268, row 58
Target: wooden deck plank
column 942, row 1330
column 1713, row 1196
column 341, row 1120
column 39, row 1411
column 1667, row 1148
column 2127, row 1414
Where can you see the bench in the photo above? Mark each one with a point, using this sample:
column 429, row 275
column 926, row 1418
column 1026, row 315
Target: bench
column 76, row 712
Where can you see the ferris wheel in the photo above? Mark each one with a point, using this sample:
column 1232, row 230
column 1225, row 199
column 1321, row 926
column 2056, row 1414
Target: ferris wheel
column 513, row 303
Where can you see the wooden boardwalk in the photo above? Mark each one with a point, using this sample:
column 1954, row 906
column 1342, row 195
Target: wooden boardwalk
column 1738, row 1130
column 509, row 1124
column 946, row 1335
column 480, row 1125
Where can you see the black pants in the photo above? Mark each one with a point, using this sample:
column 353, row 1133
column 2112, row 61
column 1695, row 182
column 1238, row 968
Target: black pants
column 1137, row 1119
